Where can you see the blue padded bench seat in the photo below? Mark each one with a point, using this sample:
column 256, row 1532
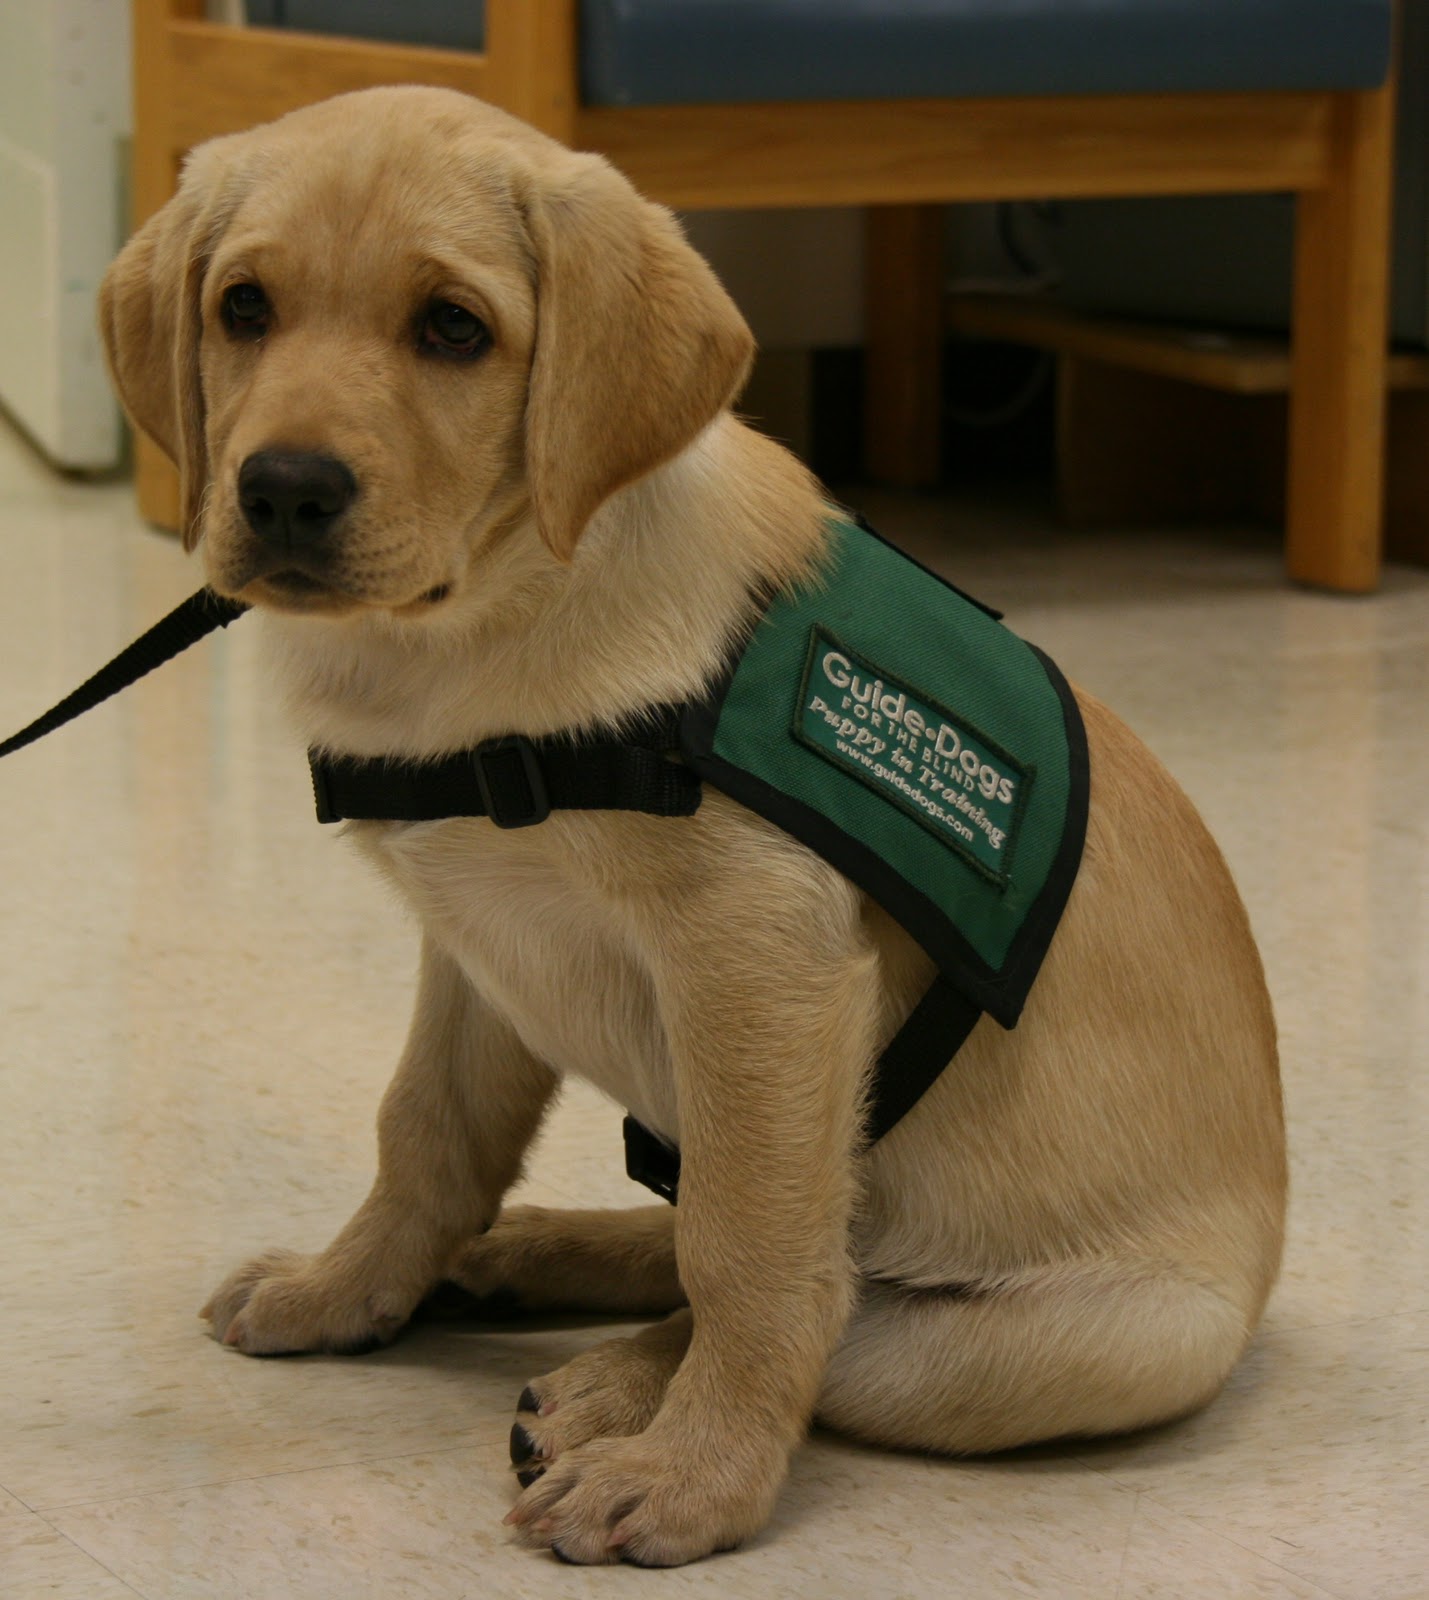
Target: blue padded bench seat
column 648, row 52
column 449, row 24
column 682, row 52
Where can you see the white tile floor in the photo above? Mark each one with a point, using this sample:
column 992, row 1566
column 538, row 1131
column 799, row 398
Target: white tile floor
column 190, row 1064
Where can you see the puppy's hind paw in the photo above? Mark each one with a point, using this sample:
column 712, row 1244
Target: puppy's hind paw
column 612, row 1390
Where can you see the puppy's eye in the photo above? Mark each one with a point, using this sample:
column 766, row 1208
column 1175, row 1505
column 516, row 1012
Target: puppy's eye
column 245, row 310
column 451, row 330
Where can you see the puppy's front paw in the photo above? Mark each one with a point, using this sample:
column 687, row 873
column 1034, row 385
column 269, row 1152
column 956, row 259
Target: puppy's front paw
column 282, row 1303
column 647, row 1501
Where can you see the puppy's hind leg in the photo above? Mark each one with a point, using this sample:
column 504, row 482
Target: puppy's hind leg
column 617, row 1262
column 1078, row 1350
column 455, row 1122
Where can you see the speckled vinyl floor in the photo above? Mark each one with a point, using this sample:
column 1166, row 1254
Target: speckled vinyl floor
column 202, row 995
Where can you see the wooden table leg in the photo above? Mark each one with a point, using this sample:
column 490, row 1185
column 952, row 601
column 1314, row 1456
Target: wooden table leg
column 903, row 334
column 1334, row 524
column 156, row 161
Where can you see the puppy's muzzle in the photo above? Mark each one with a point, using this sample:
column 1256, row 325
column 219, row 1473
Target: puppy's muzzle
column 292, row 502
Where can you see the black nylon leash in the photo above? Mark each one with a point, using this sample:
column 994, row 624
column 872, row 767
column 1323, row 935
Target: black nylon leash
column 201, row 614
column 514, row 781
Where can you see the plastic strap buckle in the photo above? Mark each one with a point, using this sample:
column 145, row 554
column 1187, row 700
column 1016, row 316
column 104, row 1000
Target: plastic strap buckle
column 649, row 1160
column 499, row 760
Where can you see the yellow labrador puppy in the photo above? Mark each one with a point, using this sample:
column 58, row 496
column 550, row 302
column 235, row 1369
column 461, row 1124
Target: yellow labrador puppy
column 502, row 381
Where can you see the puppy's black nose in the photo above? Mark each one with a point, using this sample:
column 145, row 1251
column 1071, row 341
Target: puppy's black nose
column 292, row 499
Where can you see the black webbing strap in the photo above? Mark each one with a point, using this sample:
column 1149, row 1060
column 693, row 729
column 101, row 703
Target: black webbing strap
column 516, row 782
column 199, row 615
column 935, row 1031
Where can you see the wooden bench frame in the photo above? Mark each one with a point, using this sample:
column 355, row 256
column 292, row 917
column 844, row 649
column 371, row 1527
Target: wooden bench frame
column 904, row 160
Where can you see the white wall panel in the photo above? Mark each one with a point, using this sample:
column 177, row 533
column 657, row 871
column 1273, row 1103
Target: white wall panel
column 64, row 125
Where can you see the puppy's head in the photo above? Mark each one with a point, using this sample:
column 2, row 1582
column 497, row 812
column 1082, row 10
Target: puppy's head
column 379, row 332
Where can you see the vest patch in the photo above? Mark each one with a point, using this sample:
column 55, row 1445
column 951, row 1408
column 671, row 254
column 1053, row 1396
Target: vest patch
column 912, row 752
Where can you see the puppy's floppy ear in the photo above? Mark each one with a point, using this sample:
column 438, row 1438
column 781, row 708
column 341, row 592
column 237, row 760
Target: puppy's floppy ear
column 150, row 317
column 638, row 347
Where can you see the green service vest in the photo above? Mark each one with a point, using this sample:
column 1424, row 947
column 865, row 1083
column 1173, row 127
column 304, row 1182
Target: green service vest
column 895, row 726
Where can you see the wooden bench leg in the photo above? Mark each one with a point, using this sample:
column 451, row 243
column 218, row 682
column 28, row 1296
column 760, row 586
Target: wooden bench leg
column 155, row 177
column 1335, row 501
column 533, row 62
column 903, row 338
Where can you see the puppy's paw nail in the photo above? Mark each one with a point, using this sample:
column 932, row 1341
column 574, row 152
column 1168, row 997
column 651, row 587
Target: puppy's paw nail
column 523, row 1447
column 528, row 1476
column 528, row 1400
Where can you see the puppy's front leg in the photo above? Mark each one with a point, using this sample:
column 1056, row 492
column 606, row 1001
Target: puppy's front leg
column 770, row 1039
column 455, row 1122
